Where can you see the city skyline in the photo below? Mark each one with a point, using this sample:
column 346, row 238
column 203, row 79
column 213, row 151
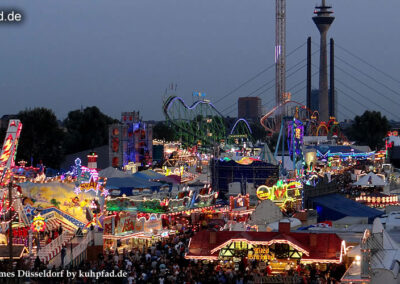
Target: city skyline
column 82, row 54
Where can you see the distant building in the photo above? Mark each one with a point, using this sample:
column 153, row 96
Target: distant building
column 249, row 107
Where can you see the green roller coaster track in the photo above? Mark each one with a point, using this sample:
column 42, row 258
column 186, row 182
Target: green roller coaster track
column 201, row 123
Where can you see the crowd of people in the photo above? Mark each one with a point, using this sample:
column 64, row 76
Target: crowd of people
column 165, row 263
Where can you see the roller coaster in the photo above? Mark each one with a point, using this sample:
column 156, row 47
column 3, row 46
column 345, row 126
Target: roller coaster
column 201, row 123
column 312, row 125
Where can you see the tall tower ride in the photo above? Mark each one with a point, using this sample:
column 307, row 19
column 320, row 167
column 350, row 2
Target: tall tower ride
column 280, row 52
column 323, row 21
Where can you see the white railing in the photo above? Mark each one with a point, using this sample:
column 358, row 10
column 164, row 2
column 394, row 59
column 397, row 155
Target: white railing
column 52, row 246
column 77, row 250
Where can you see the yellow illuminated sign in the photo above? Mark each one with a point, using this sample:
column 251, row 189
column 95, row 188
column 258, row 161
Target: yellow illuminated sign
column 278, row 191
column 87, row 186
column 260, row 253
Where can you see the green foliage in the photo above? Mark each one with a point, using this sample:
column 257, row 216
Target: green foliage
column 259, row 132
column 41, row 137
column 86, row 129
column 55, row 203
column 369, row 129
column 2, row 135
column 163, row 131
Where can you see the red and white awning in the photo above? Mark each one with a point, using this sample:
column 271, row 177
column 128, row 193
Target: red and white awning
column 54, row 224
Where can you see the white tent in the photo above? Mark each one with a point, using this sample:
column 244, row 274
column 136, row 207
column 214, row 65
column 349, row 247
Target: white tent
column 111, row 172
column 370, row 180
column 265, row 213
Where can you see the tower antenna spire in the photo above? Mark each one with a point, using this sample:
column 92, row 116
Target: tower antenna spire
column 323, row 21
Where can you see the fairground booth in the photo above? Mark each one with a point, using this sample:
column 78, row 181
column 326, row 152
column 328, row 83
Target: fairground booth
column 336, row 159
column 276, row 249
column 226, row 171
column 138, row 221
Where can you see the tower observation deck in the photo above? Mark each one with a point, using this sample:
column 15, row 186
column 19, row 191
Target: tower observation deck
column 323, row 21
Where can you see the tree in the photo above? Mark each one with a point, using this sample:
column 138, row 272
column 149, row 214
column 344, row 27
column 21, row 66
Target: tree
column 163, row 131
column 369, row 129
column 259, row 132
column 86, row 129
column 41, row 137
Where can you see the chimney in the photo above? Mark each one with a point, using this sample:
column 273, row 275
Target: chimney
column 332, row 109
column 284, row 227
column 309, row 75
column 213, row 237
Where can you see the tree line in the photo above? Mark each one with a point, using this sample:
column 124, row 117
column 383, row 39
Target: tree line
column 47, row 140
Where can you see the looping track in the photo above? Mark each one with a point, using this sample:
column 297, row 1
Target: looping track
column 269, row 122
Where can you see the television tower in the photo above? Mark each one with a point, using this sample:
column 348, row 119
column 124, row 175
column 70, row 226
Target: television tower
column 323, row 21
column 280, row 53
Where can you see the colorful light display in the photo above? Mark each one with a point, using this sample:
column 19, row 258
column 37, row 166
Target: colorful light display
column 295, row 137
column 281, row 192
column 9, row 149
column 88, row 186
column 38, row 224
column 239, row 201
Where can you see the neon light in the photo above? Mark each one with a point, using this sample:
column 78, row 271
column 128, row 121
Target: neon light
column 305, row 260
column 88, row 186
column 245, row 121
column 266, row 243
column 192, row 106
column 211, row 258
column 278, row 191
column 38, row 224
column 343, row 155
column 295, row 137
column 9, row 149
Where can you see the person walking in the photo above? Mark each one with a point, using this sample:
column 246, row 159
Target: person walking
column 63, row 253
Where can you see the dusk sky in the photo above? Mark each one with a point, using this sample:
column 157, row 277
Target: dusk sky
column 121, row 55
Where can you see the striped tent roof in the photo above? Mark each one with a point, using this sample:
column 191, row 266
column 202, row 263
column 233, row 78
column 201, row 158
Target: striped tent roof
column 54, row 224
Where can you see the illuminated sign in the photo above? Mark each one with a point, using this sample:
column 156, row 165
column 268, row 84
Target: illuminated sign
column 260, row 253
column 278, row 191
column 129, row 224
column 88, row 186
column 239, row 201
column 238, row 136
column 154, row 224
column 109, row 227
